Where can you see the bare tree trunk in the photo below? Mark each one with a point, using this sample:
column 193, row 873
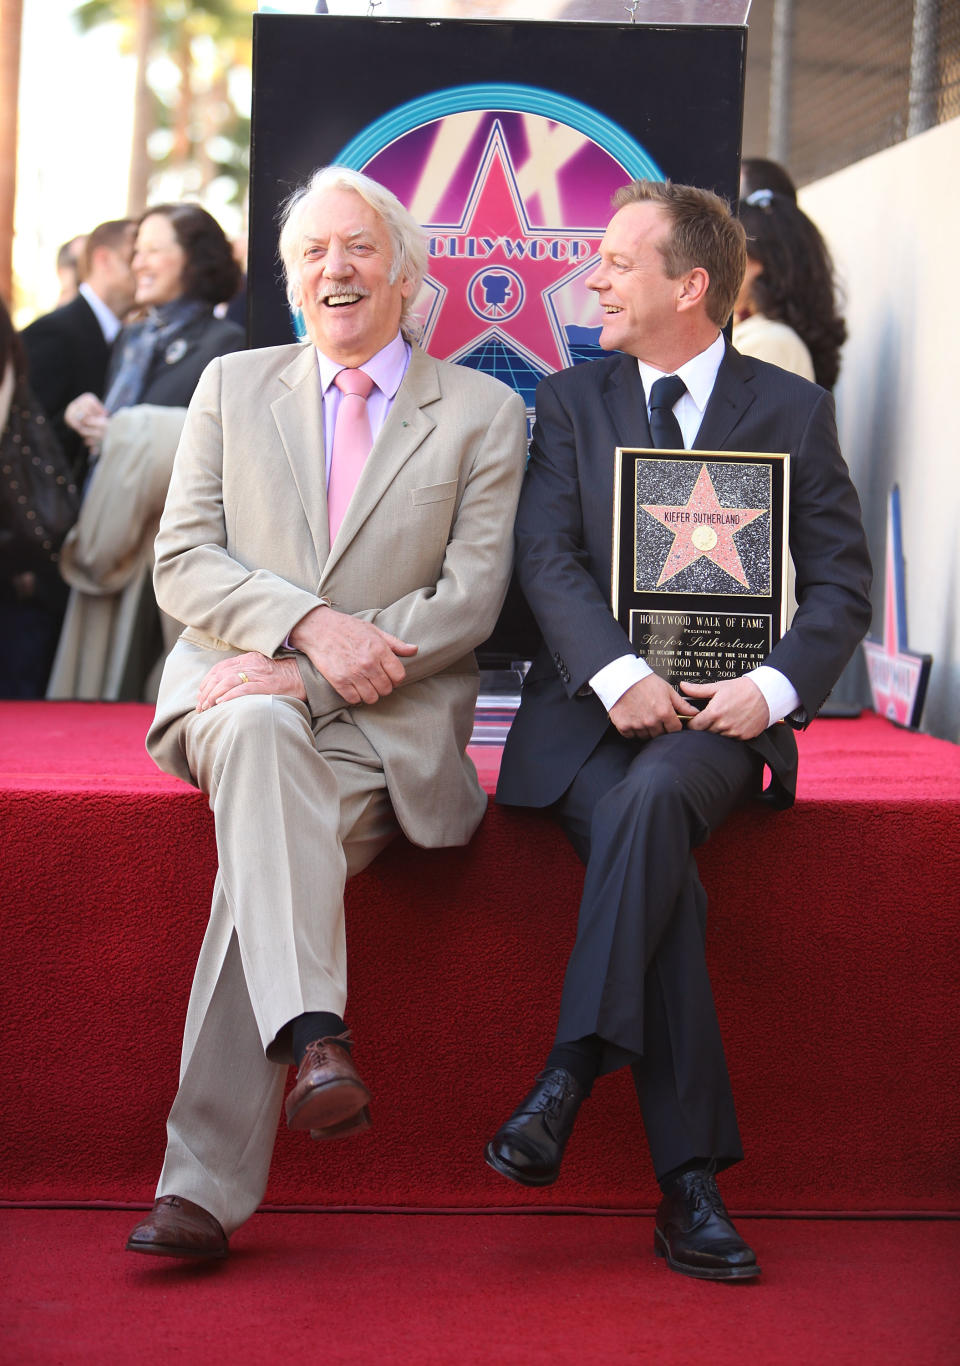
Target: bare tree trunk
column 143, row 120
column 214, row 107
column 183, row 117
column 11, row 23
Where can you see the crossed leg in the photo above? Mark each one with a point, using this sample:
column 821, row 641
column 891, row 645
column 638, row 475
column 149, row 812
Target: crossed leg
column 297, row 810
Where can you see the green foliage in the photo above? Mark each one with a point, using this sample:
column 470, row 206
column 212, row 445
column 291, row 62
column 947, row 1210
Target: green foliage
column 177, row 25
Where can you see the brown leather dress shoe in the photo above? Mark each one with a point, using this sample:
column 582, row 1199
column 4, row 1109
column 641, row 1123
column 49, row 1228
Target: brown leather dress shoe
column 178, row 1228
column 329, row 1098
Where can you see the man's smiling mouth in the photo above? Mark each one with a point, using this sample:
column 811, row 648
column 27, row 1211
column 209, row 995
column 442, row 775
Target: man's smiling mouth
column 341, row 300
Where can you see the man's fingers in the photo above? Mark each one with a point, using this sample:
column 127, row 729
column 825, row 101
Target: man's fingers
column 704, row 720
column 398, row 646
column 241, row 690
column 366, row 691
column 394, row 672
column 685, row 708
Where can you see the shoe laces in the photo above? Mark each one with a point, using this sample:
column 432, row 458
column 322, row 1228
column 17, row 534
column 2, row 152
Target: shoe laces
column 319, row 1050
column 704, row 1194
column 553, row 1100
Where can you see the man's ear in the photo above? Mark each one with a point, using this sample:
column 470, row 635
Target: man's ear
column 693, row 288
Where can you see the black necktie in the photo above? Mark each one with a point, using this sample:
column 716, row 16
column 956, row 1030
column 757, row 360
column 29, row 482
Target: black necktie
column 664, row 427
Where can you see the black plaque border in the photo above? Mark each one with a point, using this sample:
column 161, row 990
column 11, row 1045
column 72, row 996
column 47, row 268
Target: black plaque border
column 626, row 598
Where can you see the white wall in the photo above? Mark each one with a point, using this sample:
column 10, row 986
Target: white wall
column 893, row 225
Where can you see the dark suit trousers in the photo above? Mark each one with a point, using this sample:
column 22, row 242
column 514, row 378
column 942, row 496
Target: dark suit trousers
column 637, row 976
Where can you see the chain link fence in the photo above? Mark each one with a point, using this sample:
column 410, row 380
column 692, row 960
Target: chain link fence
column 832, row 81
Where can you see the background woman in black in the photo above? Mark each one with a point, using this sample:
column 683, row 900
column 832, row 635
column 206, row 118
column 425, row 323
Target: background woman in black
column 184, row 267
column 114, row 640
column 37, row 504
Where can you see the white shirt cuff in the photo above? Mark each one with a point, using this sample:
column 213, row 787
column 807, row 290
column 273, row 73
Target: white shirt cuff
column 779, row 693
column 617, row 677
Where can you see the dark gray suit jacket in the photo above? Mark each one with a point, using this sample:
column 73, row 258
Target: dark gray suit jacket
column 563, row 548
column 177, row 367
column 67, row 355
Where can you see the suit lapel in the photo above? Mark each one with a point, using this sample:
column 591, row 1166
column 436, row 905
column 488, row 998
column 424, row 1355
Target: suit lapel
column 405, row 429
column 624, row 406
column 298, row 413
column 626, row 403
column 733, row 394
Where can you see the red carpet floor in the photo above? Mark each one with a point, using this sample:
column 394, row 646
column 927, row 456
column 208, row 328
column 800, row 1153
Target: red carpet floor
column 832, row 941
column 476, row 1290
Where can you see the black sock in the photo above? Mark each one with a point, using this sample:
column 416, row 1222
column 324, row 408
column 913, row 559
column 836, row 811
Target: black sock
column 581, row 1058
column 315, row 1024
column 696, row 1164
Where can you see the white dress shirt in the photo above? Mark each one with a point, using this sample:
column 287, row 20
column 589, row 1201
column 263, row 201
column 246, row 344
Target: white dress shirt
column 110, row 324
column 614, row 679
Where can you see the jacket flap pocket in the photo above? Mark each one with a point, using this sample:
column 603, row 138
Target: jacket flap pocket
column 434, row 493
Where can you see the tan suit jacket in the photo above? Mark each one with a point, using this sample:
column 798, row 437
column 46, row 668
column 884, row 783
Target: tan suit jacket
column 424, row 551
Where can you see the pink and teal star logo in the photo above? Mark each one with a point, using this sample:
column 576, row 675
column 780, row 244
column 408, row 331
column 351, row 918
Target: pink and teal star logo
column 513, row 185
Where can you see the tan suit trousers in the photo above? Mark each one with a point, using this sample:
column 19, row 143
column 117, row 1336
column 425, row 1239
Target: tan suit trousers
column 297, row 809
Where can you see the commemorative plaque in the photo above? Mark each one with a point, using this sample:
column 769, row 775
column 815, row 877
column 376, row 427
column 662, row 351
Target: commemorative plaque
column 700, row 558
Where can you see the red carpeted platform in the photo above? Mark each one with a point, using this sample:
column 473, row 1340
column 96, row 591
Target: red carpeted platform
column 832, row 940
column 482, row 1290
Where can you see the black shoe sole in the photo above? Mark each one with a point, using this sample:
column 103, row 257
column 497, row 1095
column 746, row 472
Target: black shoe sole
column 172, row 1250
column 702, row 1273
column 511, row 1173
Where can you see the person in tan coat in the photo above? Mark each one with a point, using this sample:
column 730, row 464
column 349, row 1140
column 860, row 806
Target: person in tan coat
column 323, row 690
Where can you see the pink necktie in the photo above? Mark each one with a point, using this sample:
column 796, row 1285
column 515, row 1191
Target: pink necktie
column 351, row 443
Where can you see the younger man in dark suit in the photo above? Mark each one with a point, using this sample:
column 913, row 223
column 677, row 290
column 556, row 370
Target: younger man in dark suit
column 635, row 773
column 68, row 349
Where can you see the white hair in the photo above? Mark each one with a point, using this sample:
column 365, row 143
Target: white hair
column 407, row 238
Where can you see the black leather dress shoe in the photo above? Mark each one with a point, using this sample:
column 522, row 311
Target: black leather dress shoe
column 696, row 1235
column 178, row 1228
column 528, row 1148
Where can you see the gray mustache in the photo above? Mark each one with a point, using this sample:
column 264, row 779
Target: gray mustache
column 328, row 291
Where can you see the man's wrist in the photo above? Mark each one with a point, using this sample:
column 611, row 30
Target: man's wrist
column 290, row 643
column 618, row 677
column 777, row 691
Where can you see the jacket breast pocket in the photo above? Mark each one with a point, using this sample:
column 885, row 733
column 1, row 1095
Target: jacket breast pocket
column 434, row 493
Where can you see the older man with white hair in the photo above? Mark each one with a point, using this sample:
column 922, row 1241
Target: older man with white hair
column 337, row 539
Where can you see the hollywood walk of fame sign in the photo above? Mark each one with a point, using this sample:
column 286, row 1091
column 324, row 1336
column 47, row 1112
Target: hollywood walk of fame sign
column 898, row 676
column 514, row 205
column 506, row 140
column 700, row 558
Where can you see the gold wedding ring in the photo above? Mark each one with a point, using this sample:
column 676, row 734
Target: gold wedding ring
column 243, row 678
